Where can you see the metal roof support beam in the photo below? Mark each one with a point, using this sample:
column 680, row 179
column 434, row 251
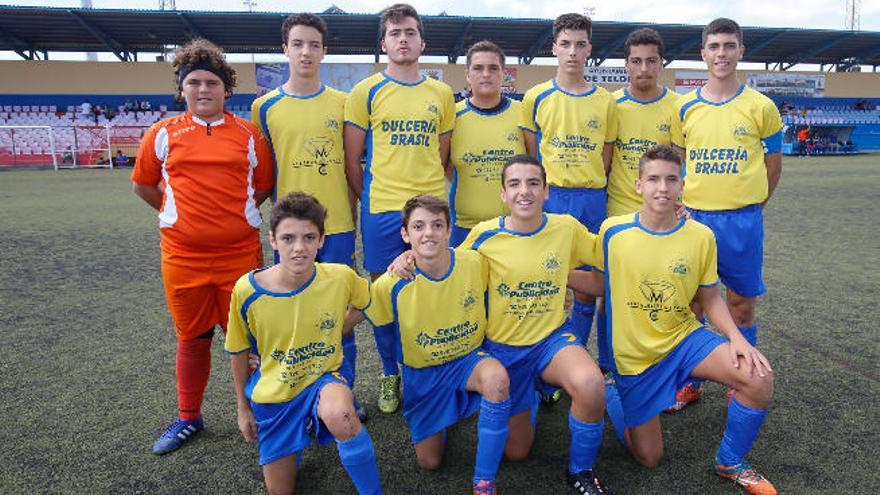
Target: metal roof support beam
column 19, row 46
column 378, row 49
column 816, row 50
column 866, row 57
column 190, row 25
column 683, row 48
column 614, row 45
column 465, row 36
column 114, row 46
column 752, row 50
column 529, row 54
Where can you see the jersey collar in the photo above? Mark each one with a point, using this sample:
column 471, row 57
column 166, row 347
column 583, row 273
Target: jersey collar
column 719, row 103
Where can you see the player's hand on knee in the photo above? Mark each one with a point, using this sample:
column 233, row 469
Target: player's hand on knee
column 404, row 266
column 247, row 424
column 755, row 362
column 253, row 361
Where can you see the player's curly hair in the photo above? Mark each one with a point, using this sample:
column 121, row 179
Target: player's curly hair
column 662, row 152
column 300, row 206
column 202, row 51
column 572, row 22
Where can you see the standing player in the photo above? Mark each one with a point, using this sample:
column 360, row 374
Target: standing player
column 292, row 316
column 206, row 172
column 439, row 317
column 655, row 265
column 486, row 134
column 571, row 126
column 732, row 137
column 403, row 120
column 530, row 255
column 302, row 120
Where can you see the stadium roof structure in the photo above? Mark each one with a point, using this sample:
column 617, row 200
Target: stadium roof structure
column 33, row 32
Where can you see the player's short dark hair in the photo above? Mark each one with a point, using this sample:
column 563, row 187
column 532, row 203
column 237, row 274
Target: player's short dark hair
column 397, row 13
column 202, row 52
column 659, row 152
column 300, row 206
column 303, row 19
column 572, row 22
column 522, row 160
column 431, row 203
column 643, row 36
column 485, row 46
column 723, row 25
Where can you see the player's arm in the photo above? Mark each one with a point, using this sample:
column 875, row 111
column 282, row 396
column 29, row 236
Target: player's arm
column 247, row 424
column 709, row 298
column 260, row 196
column 773, row 163
column 404, row 266
column 592, row 282
column 352, row 318
column 445, row 141
column 353, row 143
column 607, row 153
column 152, row 195
column 531, row 142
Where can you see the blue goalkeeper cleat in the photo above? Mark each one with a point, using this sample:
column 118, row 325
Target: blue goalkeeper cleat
column 177, row 434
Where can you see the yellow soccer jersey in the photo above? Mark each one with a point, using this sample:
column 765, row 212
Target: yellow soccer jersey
column 725, row 145
column 306, row 136
column 528, row 273
column 403, row 123
column 298, row 334
column 571, row 131
column 438, row 320
column 650, row 280
column 481, row 144
column 640, row 126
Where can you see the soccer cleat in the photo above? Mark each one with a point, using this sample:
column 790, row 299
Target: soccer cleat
column 484, row 487
column 586, row 483
column 389, row 393
column 688, row 394
column 745, row 477
column 550, row 399
column 176, row 434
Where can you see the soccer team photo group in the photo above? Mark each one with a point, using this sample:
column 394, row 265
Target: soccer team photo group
column 576, row 253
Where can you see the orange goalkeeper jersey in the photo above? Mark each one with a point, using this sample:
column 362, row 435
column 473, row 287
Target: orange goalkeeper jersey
column 208, row 175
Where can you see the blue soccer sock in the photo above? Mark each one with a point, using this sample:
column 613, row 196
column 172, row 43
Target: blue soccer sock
column 492, row 431
column 614, row 408
column 359, row 461
column 349, row 357
column 385, row 344
column 743, row 425
column 585, row 441
column 602, row 342
column 750, row 333
column 582, row 319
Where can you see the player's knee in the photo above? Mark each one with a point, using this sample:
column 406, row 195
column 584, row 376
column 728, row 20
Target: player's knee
column 520, row 440
column 429, row 462
column 278, row 490
column 495, row 383
column 587, row 388
column 647, row 455
column 742, row 309
column 341, row 420
column 517, row 451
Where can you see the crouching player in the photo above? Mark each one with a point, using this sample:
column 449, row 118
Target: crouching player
column 291, row 315
column 654, row 266
column 440, row 320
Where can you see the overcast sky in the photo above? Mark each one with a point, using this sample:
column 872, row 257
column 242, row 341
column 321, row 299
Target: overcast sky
column 822, row 14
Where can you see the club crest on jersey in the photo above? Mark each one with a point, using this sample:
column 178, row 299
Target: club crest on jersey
column 432, row 108
column 503, row 289
column 319, row 148
column 679, row 267
column 551, row 262
column 656, row 298
column 593, row 124
column 512, row 137
column 664, row 127
column 467, row 300
column 657, row 291
column 325, row 323
column 332, row 124
column 740, row 130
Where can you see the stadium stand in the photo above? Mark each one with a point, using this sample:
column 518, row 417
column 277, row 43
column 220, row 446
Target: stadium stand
column 836, row 125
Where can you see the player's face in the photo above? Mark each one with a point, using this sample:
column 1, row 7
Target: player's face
column 643, row 66
column 660, row 185
column 402, row 41
column 524, row 191
column 427, row 233
column 204, row 93
column 721, row 53
column 485, row 73
column 305, row 50
column 297, row 242
column 572, row 48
